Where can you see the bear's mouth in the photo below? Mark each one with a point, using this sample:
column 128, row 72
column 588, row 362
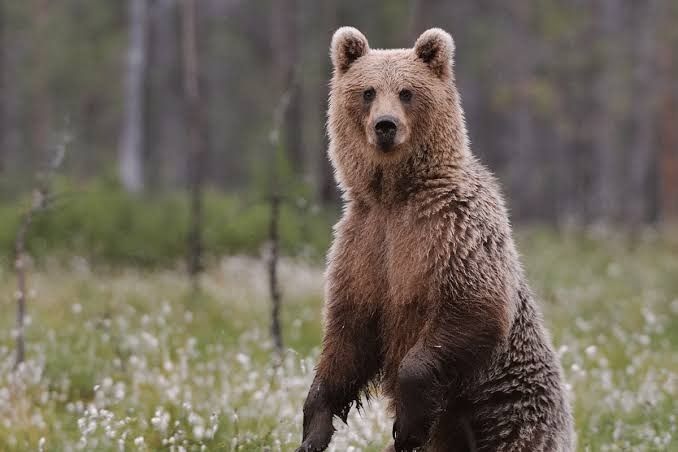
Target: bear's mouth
column 386, row 146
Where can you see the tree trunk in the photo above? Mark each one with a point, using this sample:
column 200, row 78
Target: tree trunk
column 668, row 160
column 274, row 238
column 327, row 186
column 41, row 106
column 641, row 188
column 41, row 199
column 415, row 21
column 279, row 113
column 286, row 60
column 605, row 201
column 667, row 165
column 520, row 136
column 166, row 121
column 21, row 260
column 197, row 134
column 131, row 152
column 3, row 89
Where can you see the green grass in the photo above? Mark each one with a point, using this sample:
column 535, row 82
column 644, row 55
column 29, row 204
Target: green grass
column 128, row 358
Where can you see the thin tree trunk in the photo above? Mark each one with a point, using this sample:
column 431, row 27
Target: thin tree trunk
column 131, row 162
column 415, row 22
column 166, row 140
column 13, row 105
column 274, row 238
column 196, row 135
column 328, row 192
column 41, row 199
column 41, row 108
column 285, row 47
column 275, row 200
column 641, row 189
column 3, row 104
column 41, row 116
column 607, row 159
column 520, row 138
column 667, row 164
column 21, row 260
column 20, row 268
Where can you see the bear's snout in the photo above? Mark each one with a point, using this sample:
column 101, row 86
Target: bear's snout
column 386, row 128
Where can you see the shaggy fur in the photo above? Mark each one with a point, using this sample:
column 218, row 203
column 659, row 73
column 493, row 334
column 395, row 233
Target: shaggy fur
column 425, row 292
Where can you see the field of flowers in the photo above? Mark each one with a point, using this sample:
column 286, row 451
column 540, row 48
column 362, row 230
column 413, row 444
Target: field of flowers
column 124, row 359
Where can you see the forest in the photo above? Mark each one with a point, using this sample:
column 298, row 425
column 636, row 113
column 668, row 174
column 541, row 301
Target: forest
column 167, row 202
column 572, row 103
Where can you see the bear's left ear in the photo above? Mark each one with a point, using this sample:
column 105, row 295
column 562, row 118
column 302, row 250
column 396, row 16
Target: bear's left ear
column 348, row 44
column 435, row 47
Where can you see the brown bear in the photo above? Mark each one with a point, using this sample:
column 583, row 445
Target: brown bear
column 425, row 295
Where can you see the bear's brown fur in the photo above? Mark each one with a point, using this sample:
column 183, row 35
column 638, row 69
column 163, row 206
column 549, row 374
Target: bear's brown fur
column 425, row 293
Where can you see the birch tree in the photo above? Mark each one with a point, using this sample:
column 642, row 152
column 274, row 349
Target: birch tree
column 132, row 142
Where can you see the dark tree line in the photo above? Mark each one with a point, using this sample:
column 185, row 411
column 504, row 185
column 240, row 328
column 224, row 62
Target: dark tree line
column 572, row 103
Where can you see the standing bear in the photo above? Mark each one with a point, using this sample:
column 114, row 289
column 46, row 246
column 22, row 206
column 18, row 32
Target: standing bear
column 425, row 295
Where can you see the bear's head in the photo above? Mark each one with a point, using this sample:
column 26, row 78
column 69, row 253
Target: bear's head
column 388, row 107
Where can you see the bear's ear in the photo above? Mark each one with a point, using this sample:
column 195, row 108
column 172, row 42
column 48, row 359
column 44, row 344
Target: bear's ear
column 435, row 47
column 348, row 44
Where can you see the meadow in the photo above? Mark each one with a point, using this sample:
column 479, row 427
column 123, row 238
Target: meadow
column 127, row 358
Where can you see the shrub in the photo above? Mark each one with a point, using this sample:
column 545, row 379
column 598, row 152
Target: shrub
column 102, row 222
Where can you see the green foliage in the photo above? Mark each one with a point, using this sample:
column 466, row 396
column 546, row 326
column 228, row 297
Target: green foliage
column 102, row 222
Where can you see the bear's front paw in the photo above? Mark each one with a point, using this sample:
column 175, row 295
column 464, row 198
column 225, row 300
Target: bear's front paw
column 315, row 442
column 409, row 434
column 310, row 446
column 318, row 430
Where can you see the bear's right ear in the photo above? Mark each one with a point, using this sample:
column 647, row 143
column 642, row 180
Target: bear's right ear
column 348, row 44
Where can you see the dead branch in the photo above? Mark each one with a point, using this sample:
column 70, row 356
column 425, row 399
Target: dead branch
column 274, row 236
column 42, row 199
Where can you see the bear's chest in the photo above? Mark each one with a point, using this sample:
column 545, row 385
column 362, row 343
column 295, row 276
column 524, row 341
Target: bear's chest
column 388, row 258
column 408, row 260
column 410, row 289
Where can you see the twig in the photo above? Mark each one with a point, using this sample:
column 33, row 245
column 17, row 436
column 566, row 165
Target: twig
column 274, row 236
column 20, row 268
column 42, row 199
column 273, row 274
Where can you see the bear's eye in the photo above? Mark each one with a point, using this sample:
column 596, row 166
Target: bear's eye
column 405, row 95
column 369, row 94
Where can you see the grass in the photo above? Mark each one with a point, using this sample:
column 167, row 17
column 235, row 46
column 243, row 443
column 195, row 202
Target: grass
column 122, row 358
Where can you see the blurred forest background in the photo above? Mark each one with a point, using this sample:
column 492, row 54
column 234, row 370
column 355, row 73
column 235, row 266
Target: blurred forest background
column 573, row 104
column 139, row 135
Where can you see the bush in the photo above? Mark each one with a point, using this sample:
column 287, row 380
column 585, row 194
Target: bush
column 103, row 222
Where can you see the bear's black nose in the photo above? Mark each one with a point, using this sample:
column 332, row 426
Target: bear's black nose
column 385, row 127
